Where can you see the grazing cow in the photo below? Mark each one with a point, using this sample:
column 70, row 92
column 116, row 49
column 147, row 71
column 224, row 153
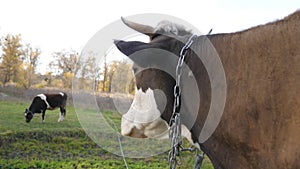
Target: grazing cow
column 43, row 102
column 260, row 125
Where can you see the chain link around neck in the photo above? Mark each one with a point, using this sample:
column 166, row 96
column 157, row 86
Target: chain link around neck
column 175, row 121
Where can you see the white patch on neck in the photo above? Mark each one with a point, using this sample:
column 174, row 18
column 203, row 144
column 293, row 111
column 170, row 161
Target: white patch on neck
column 43, row 97
column 190, row 74
column 185, row 132
column 61, row 93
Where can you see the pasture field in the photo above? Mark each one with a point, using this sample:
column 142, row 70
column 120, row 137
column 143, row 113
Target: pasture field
column 64, row 144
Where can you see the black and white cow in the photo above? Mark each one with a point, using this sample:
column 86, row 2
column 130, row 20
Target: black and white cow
column 43, row 102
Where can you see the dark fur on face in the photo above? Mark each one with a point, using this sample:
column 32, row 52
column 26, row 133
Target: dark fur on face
column 28, row 115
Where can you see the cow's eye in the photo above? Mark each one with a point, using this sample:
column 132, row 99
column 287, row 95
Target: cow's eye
column 155, row 35
column 134, row 70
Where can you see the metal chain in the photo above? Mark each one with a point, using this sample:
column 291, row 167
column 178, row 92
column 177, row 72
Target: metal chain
column 175, row 121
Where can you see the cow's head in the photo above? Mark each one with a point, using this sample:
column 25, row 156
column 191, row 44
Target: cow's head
column 152, row 106
column 28, row 115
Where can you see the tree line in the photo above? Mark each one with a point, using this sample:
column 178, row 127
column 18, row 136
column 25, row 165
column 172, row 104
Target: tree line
column 19, row 61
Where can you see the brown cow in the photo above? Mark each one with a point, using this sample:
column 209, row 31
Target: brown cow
column 260, row 126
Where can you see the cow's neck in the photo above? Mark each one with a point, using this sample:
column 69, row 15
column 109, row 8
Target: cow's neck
column 219, row 147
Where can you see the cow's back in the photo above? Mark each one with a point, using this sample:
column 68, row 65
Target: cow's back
column 56, row 100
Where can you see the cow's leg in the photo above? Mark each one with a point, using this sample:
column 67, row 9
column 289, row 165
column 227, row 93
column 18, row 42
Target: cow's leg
column 43, row 116
column 62, row 114
column 64, row 111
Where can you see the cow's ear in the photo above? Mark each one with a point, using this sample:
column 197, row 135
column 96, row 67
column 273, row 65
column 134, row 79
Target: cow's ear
column 130, row 47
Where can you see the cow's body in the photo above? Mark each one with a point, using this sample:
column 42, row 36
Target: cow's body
column 43, row 102
column 260, row 126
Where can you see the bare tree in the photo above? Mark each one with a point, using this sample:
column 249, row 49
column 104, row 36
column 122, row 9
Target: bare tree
column 88, row 71
column 64, row 61
column 64, row 65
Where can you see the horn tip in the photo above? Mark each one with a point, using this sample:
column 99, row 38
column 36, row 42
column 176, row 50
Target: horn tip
column 124, row 20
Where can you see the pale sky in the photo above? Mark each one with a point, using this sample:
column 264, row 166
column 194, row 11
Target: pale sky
column 54, row 25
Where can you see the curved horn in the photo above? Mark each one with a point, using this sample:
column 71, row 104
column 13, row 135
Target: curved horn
column 145, row 29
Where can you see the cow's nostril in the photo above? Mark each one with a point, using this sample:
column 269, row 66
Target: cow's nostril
column 136, row 133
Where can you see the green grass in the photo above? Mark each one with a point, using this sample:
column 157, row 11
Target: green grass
column 63, row 145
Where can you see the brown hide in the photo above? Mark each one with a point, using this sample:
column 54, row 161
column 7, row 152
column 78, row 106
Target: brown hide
column 260, row 127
